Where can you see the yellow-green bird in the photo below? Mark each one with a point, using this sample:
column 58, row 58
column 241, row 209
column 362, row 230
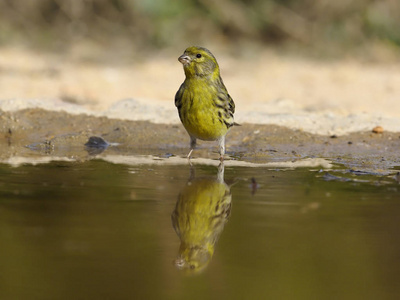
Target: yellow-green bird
column 204, row 105
column 201, row 212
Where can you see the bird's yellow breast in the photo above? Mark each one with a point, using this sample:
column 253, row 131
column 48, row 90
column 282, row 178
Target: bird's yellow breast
column 198, row 112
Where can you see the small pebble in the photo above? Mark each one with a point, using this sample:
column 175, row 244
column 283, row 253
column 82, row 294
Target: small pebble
column 245, row 139
column 377, row 129
column 97, row 142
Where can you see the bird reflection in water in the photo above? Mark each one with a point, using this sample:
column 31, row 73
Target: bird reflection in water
column 200, row 214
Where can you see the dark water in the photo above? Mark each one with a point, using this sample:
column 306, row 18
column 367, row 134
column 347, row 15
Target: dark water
column 96, row 230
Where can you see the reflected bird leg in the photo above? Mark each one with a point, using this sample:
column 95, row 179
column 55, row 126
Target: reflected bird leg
column 192, row 172
column 220, row 174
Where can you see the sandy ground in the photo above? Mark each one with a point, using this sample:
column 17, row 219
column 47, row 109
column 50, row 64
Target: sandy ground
column 315, row 96
column 290, row 109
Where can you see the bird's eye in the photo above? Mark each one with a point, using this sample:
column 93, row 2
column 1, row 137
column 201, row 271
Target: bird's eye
column 198, row 55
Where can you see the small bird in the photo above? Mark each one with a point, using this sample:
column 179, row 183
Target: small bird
column 204, row 105
column 201, row 212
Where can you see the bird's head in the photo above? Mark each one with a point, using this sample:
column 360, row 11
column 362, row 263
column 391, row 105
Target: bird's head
column 194, row 258
column 199, row 62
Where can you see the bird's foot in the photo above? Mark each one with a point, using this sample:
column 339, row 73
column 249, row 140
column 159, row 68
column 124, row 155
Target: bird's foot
column 189, row 155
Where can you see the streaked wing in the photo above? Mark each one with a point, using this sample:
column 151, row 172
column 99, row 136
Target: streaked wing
column 178, row 96
column 226, row 108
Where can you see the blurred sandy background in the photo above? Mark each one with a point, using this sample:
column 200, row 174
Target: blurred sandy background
column 322, row 66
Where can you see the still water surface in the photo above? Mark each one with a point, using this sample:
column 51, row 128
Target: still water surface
column 97, row 230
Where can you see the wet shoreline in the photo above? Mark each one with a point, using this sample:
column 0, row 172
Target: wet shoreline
column 37, row 132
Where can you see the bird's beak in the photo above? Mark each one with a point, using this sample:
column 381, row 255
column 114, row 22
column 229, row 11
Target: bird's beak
column 184, row 59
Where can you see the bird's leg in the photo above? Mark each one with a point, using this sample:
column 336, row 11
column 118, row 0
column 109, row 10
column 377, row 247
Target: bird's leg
column 220, row 174
column 192, row 146
column 221, row 144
